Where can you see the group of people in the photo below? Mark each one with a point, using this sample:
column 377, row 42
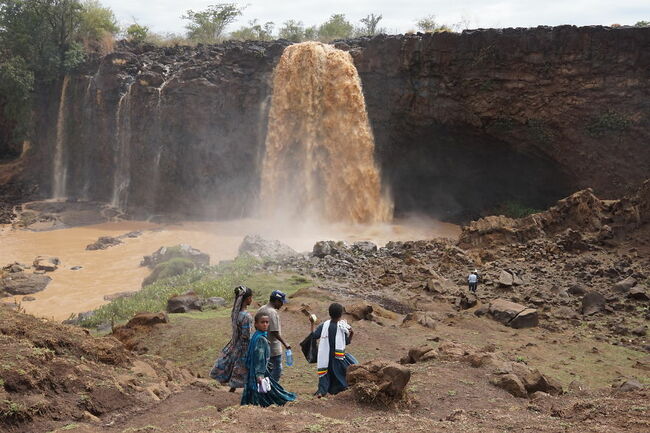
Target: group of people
column 253, row 360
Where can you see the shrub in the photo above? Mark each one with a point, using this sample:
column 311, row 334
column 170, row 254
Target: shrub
column 208, row 26
column 137, row 33
column 515, row 209
column 608, row 123
column 337, row 27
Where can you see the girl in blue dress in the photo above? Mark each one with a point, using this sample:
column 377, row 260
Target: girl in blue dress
column 257, row 360
column 230, row 368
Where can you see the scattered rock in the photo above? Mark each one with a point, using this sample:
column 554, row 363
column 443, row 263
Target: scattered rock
column 419, row 354
column 577, row 289
column 465, row 301
column 147, row 319
column 625, row 285
column 185, row 251
column 119, row 295
column 640, row 331
column 627, row 385
column 364, row 247
column 379, row 381
column 326, row 248
column 21, row 283
column 46, row 263
column 28, row 298
column 420, row 317
column 103, row 242
column 511, row 383
column 15, row 268
column 256, row 246
column 360, row 311
column 525, row 319
column 592, row 303
column 184, row 303
column 76, row 268
column 214, row 302
column 482, row 310
column 506, row 279
column 638, row 293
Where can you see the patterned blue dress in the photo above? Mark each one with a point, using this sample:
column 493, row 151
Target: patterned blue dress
column 257, row 359
column 230, row 368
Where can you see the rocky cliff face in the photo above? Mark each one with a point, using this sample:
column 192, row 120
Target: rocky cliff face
column 462, row 122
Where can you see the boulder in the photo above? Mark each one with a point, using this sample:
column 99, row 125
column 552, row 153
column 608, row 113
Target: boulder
column 511, row 383
column 179, row 251
column 638, row 293
column 506, row 279
column 378, row 381
column 628, row 385
column 28, row 298
column 577, row 289
column 257, row 246
column 534, row 381
column 15, row 267
column 525, row 319
column 364, row 247
column 482, row 310
column 504, row 311
column 419, row 354
column 421, row 318
column 625, row 285
column 170, row 268
column 214, row 302
column 184, row 303
column 640, row 331
column 147, row 319
column 326, row 248
column 360, row 311
column 21, row 283
column 102, row 243
column 592, row 303
column 465, row 301
column 46, row 263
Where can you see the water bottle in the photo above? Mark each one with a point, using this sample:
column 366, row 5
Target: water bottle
column 289, row 357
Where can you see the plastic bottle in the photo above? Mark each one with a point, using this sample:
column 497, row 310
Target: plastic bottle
column 289, row 357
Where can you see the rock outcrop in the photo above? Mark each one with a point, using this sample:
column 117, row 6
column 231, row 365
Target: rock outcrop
column 257, row 246
column 183, row 251
column 379, row 381
column 22, row 283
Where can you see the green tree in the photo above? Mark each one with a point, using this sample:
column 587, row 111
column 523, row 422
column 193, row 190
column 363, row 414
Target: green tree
column 337, row 27
column 97, row 27
column 208, row 26
column 369, row 25
column 137, row 33
column 429, row 24
column 293, row 31
column 311, row 33
column 254, row 32
column 642, row 24
column 16, row 84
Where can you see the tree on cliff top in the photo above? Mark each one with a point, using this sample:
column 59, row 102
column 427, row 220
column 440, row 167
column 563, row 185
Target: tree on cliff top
column 254, row 32
column 293, row 31
column 97, row 27
column 208, row 26
column 429, row 24
column 369, row 25
column 337, row 27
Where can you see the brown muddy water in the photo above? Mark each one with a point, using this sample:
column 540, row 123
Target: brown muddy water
column 117, row 269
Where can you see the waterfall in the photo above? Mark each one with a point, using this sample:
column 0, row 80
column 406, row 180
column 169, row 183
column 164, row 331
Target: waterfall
column 60, row 167
column 88, row 106
column 159, row 149
column 319, row 162
column 122, row 173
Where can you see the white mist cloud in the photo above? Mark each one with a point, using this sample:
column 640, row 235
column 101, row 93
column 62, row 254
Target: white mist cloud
column 165, row 15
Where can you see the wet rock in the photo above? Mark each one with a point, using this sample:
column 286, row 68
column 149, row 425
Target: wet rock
column 184, row 303
column 21, row 283
column 46, row 263
column 28, row 299
column 638, row 293
column 592, row 303
column 76, row 268
column 15, row 267
column 102, row 243
column 511, row 383
column 185, row 251
column 525, row 319
column 257, row 246
column 378, row 381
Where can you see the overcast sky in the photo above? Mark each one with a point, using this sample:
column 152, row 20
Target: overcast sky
column 399, row 16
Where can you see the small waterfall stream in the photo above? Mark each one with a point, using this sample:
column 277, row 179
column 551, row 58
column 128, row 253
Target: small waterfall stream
column 60, row 166
column 122, row 173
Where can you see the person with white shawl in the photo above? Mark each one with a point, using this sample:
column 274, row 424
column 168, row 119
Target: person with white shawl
column 333, row 337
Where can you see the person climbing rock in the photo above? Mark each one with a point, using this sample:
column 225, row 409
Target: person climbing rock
column 333, row 336
column 276, row 300
column 472, row 280
column 261, row 388
column 230, row 368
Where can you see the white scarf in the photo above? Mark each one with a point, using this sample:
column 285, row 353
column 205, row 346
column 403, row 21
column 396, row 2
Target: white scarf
column 342, row 330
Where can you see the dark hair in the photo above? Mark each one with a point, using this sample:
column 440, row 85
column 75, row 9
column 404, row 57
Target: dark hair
column 259, row 315
column 243, row 291
column 336, row 311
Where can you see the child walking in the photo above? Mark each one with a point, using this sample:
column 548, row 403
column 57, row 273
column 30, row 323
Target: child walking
column 257, row 359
